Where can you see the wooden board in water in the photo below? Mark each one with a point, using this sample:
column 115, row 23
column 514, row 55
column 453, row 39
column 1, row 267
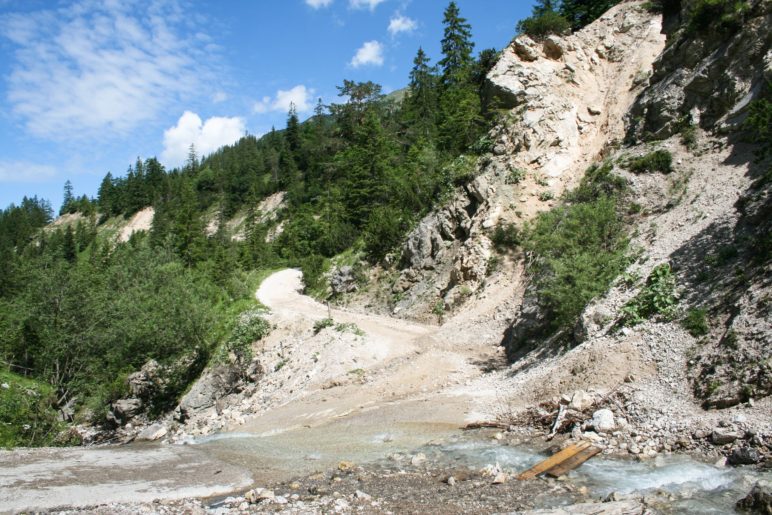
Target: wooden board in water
column 572, row 462
column 554, row 460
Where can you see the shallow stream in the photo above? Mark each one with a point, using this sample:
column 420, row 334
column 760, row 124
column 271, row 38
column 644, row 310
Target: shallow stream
column 672, row 483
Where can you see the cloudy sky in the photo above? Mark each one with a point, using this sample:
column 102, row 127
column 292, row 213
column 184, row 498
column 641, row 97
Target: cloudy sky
column 87, row 86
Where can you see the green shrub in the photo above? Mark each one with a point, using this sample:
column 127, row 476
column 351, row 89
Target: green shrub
column 462, row 169
column 657, row 161
column 323, row 324
column 250, row 327
column 598, row 181
column 314, row 268
column 515, row 175
column 758, row 125
column 539, row 27
column 578, row 250
column 717, row 16
column 696, row 322
column 384, row 231
column 546, row 195
column 505, row 237
column 27, row 415
column 656, row 298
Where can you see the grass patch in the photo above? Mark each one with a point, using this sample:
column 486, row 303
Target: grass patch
column 27, row 414
column 323, row 324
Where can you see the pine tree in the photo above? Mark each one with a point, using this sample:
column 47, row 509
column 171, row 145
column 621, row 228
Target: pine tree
column 69, row 248
column 457, row 46
column 292, row 134
column 583, row 12
column 421, row 104
column 68, row 198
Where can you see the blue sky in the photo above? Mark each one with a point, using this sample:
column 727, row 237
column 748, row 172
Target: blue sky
column 87, row 86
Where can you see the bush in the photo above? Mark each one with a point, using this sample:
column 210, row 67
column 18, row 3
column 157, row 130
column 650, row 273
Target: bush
column 758, row 126
column 717, row 16
column 314, row 268
column 656, row 298
column 27, row 416
column 384, row 231
column 539, row 27
column 598, row 181
column 696, row 322
column 515, row 176
column 250, row 327
column 505, row 237
column 657, row 161
column 578, row 251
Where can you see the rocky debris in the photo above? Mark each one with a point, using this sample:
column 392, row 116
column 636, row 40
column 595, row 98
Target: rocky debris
column 343, row 280
column 628, row 507
column 722, row 436
column 758, row 500
column 148, row 381
column 259, row 495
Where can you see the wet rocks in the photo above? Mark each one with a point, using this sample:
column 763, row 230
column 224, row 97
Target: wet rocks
column 758, row 500
column 744, row 456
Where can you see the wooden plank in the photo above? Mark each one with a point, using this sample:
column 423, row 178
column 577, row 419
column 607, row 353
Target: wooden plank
column 573, row 462
column 556, row 459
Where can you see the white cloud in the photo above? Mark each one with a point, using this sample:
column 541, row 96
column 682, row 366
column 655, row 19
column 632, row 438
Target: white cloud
column 371, row 53
column 219, row 96
column 205, row 136
column 300, row 95
column 23, row 171
column 400, row 23
column 362, row 4
column 102, row 68
column 316, row 4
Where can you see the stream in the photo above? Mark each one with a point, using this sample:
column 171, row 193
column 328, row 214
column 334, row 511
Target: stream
column 674, row 483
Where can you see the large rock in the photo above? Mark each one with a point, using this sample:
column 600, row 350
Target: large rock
column 744, row 456
column 603, row 420
column 145, row 383
column 723, row 436
column 581, row 401
column 152, row 433
column 343, row 280
column 212, row 385
column 124, row 410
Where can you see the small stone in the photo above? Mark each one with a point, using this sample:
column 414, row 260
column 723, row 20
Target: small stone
column 451, row 481
column 603, row 420
column 346, row 466
column 294, row 485
column 500, row 478
column 4, row 386
column 362, row 496
column 280, row 499
column 594, row 110
column 418, row 459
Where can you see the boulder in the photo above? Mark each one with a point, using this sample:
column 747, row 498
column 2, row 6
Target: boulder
column 603, row 420
column 152, row 433
column 147, row 381
column 758, row 500
column 581, row 400
column 744, row 456
column 553, row 47
column 343, row 280
column 723, row 436
column 126, row 409
column 526, row 48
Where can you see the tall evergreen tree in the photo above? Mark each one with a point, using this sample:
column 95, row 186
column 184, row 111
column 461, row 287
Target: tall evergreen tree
column 421, row 104
column 457, row 46
column 68, row 198
column 69, row 248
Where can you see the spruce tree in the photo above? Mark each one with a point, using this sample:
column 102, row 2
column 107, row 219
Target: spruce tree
column 457, row 46
column 421, row 104
column 68, row 198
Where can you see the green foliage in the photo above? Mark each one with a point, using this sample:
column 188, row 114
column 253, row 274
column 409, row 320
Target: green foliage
column 696, row 322
column 505, row 237
column 384, row 230
column 314, row 268
column 656, row 161
column 250, row 327
column 578, row 250
column 717, row 16
column 27, row 414
column 598, row 181
column 546, row 195
column 438, row 309
column 657, row 298
column 539, row 27
column 461, row 170
column 580, row 13
column 324, row 323
column 349, row 328
column 758, row 125
column 515, row 175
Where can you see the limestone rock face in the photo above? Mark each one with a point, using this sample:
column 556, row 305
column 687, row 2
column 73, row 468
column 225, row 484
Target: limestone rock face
column 705, row 79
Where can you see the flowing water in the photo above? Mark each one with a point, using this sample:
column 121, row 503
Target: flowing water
column 672, row 483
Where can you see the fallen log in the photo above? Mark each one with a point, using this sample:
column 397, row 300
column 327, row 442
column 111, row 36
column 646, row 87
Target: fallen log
column 486, row 425
column 572, row 462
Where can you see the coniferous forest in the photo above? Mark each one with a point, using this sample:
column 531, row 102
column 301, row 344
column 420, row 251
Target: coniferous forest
column 80, row 311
